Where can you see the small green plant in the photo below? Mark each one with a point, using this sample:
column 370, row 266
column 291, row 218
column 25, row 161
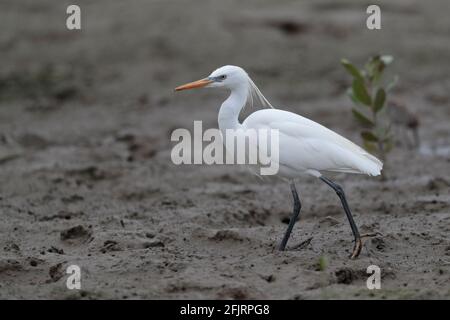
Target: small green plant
column 322, row 263
column 368, row 92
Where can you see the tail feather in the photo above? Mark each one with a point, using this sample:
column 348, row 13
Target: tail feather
column 374, row 165
column 370, row 165
column 362, row 163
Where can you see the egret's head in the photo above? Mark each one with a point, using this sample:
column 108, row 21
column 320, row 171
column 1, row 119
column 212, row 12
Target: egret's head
column 228, row 77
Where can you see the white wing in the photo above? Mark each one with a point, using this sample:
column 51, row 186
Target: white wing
column 307, row 145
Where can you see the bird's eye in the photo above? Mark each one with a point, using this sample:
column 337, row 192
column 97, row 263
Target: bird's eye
column 222, row 77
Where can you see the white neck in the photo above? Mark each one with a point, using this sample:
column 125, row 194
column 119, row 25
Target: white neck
column 230, row 109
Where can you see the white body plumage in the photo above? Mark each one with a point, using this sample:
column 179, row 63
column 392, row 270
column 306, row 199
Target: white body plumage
column 304, row 145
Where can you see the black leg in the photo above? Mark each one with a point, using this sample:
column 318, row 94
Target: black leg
column 340, row 192
column 295, row 213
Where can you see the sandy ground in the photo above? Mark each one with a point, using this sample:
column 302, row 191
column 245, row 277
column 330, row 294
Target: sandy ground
column 86, row 176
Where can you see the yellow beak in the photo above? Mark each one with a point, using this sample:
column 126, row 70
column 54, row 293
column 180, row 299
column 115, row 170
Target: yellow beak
column 196, row 84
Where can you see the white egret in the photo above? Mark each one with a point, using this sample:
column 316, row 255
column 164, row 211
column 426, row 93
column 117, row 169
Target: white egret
column 305, row 147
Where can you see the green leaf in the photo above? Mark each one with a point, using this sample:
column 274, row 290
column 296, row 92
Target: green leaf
column 360, row 92
column 380, row 98
column 352, row 69
column 323, row 263
column 369, row 136
column 362, row 118
column 352, row 97
column 373, row 64
column 375, row 67
column 369, row 146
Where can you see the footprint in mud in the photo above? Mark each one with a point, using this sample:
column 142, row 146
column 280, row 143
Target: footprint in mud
column 235, row 293
column 78, row 233
column 218, row 235
column 348, row 275
column 56, row 272
column 115, row 242
column 111, row 245
column 268, row 277
column 327, row 222
column 226, row 235
column 378, row 244
column 10, row 265
column 139, row 147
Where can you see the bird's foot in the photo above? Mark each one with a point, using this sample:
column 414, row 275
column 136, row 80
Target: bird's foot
column 359, row 242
